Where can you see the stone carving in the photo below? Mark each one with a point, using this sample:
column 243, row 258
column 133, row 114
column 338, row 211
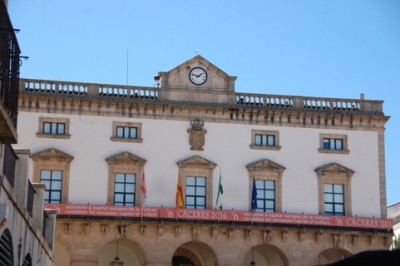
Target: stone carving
column 197, row 135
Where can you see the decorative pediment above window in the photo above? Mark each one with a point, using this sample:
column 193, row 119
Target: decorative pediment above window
column 334, row 168
column 52, row 153
column 125, row 158
column 196, row 161
column 265, row 165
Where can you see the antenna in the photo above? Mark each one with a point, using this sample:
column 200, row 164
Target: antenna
column 127, row 65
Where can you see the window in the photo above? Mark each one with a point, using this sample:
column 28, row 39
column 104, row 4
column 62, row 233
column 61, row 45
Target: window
column 124, row 189
column 265, row 140
column 50, row 127
column 268, row 177
column 197, row 181
column 51, row 167
column 334, row 199
column 54, row 128
column 124, row 172
column 53, row 181
column 265, row 195
column 334, row 189
column 195, row 192
column 333, row 143
column 127, row 132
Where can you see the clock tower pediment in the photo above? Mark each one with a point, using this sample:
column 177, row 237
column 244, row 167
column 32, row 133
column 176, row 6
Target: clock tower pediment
column 196, row 80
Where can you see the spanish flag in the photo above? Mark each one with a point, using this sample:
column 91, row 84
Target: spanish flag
column 179, row 195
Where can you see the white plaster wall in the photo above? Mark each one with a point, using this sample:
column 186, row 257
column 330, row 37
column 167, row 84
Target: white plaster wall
column 166, row 142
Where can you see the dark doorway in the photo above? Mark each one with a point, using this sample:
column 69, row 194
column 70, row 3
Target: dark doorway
column 181, row 261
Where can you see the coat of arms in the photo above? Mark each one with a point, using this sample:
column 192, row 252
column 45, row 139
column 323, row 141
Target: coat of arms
column 197, row 135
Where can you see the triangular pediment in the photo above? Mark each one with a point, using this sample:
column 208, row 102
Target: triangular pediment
column 196, row 161
column 198, row 61
column 179, row 83
column 125, row 158
column 52, row 153
column 266, row 165
column 334, row 168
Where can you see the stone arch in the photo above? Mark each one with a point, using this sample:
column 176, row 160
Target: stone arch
column 265, row 254
column 6, row 248
column 62, row 256
column 333, row 255
column 194, row 253
column 126, row 250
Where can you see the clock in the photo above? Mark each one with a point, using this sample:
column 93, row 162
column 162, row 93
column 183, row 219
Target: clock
column 198, row 76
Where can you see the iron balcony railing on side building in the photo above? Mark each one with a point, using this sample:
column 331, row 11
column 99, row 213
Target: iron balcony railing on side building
column 9, row 67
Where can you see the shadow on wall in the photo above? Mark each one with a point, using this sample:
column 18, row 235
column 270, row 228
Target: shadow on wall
column 367, row 258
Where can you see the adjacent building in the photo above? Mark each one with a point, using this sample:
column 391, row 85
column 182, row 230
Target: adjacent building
column 191, row 172
column 394, row 213
column 26, row 228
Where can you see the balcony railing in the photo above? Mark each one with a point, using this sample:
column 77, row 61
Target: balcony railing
column 262, row 101
column 9, row 65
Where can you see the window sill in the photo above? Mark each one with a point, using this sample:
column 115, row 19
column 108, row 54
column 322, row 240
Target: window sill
column 137, row 140
column 260, row 147
column 53, row 136
column 334, row 151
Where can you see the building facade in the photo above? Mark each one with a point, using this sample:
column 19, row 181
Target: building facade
column 191, row 172
column 26, row 228
column 394, row 213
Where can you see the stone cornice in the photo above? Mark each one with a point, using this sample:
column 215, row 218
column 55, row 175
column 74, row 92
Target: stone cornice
column 367, row 115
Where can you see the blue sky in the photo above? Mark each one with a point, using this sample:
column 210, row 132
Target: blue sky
column 321, row 48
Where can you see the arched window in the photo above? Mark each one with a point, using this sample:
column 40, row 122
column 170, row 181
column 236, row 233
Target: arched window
column 27, row 260
column 6, row 249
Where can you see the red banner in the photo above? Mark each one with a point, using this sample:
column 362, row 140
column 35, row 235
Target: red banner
column 221, row 216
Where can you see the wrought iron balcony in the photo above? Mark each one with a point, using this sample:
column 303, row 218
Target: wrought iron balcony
column 9, row 78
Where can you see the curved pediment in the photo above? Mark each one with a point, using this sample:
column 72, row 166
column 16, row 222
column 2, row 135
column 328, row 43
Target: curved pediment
column 52, row 153
column 125, row 158
column 196, row 161
column 265, row 164
column 334, row 168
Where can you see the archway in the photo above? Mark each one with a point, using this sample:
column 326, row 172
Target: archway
column 62, row 256
column 6, row 249
column 266, row 255
column 126, row 250
column 333, row 255
column 194, row 253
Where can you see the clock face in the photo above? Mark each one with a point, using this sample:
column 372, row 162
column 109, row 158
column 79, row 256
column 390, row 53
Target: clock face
column 198, row 76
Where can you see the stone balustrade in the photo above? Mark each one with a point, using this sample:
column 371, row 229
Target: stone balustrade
column 106, row 91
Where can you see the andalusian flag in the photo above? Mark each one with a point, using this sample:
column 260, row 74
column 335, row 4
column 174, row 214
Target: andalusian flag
column 180, row 203
column 218, row 203
column 143, row 190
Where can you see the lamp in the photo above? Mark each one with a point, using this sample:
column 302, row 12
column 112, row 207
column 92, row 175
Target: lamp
column 116, row 261
column 252, row 257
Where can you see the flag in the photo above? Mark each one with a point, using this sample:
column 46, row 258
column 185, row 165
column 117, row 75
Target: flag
column 254, row 196
column 218, row 202
column 179, row 195
column 143, row 189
